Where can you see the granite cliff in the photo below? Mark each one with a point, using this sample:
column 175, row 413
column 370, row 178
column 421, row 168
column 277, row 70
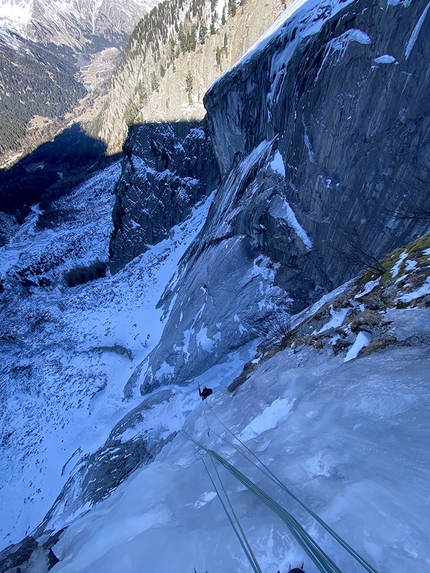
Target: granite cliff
column 166, row 170
column 321, row 135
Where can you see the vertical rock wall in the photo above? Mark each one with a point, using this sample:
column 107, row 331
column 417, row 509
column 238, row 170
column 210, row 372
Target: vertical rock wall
column 166, row 170
column 344, row 89
column 322, row 138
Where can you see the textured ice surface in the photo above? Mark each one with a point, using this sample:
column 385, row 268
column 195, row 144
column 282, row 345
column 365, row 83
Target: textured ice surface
column 349, row 439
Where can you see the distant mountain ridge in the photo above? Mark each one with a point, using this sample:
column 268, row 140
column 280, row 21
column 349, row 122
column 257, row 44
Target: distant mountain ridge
column 55, row 45
column 79, row 24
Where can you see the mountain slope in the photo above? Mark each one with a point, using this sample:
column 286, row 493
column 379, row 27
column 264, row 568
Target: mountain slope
column 80, row 24
column 334, row 398
column 323, row 172
column 173, row 56
column 38, row 91
column 337, row 411
column 52, row 54
column 64, row 367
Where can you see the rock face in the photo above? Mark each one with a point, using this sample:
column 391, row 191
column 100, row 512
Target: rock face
column 322, row 141
column 349, row 111
column 166, row 170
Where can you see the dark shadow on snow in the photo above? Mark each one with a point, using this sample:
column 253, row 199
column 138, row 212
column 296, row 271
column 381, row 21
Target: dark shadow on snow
column 51, row 171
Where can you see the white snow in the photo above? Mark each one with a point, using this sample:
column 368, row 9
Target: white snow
column 396, row 268
column 340, row 44
column 268, row 419
column 306, row 17
column 277, row 164
column 15, row 15
column 336, row 319
column 280, row 209
column 84, row 346
column 363, row 339
column 339, row 435
column 415, row 32
column 418, row 293
column 202, row 338
column 385, row 59
column 368, row 287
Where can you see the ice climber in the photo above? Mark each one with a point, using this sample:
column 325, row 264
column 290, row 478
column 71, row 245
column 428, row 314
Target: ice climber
column 205, row 392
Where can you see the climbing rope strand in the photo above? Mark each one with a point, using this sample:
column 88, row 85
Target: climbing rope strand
column 253, row 563
column 236, row 518
column 316, row 554
column 275, row 479
column 321, row 559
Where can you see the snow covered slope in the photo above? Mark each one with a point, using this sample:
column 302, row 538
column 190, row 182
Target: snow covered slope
column 72, row 23
column 99, row 379
column 345, row 430
column 67, row 353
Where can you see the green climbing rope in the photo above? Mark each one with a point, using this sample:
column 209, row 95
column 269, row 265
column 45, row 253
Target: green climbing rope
column 242, row 537
column 276, row 480
column 311, row 548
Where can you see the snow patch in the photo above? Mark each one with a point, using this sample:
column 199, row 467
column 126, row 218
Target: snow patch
column 277, row 164
column 205, row 498
column 363, row 339
column 385, row 59
column 415, row 32
column 337, row 318
column 268, row 419
column 368, row 287
column 422, row 291
column 396, row 268
column 202, row 338
column 280, row 209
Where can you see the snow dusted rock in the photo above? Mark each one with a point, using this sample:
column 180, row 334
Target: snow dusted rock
column 323, row 150
column 352, row 129
column 225, row 287
column 166, row 170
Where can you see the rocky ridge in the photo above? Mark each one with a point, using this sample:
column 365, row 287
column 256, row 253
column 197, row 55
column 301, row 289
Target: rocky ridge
column 166, row 170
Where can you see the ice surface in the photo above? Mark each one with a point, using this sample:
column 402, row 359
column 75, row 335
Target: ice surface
column 362, row 340
column 349, row 439
column 415, row 32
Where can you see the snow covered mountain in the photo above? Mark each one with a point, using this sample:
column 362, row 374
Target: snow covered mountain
column 55, row 56
column 73, row 24
column 255, row 290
